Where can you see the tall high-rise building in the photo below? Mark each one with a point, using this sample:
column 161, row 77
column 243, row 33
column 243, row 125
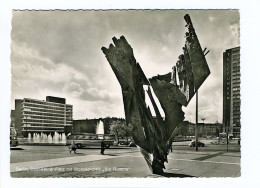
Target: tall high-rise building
column 231, row 91
column 39, row 116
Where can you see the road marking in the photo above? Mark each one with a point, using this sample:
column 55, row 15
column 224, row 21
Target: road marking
column 192, row 160
column 217, row 162
column 174, row 169
column 208, row 156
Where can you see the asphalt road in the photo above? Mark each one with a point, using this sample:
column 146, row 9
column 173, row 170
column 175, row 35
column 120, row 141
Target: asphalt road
column 184, row 161
column 25, row 153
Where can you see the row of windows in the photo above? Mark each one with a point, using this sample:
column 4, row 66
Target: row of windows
column 236, row 70
column 236, row 88
column 236, row 99
column 236, row 93
column 46, row 111
column 42, row 118
column 44, row 126
column 32, row 116
column 46, row 107
column 236, row 50
column 236, row 121
column 236, row 112
column 42, row 109
column 236, row 77
column 236, row 83
column 27, row 113
column 43, row 121
column 236, row 116
column 46, row 118
column 236, row 73
column 46, row 123
column 44, row 102
column 41, row 127
column 236, row 64
column 235, row 104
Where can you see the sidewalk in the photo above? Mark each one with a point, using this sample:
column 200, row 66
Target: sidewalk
column 34, row 165
column 181, row 164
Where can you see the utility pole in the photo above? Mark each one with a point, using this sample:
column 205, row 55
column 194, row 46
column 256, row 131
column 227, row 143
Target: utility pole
column 196, row 125
column 227, row 136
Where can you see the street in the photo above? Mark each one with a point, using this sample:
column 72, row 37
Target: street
column 118, row 161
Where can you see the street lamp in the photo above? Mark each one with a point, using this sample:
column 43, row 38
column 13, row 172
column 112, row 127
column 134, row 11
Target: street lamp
column 196, row 125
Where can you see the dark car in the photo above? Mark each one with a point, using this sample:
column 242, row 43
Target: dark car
column 200, row 144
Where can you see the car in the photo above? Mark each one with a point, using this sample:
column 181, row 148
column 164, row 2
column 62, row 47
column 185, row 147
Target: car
column 132, row 144
column 200, row 144
column 124, row 142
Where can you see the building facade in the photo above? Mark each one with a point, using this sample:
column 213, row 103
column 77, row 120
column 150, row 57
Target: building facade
column 93, row 125
column 39, row 116
column 204, row 129
column 231, row 91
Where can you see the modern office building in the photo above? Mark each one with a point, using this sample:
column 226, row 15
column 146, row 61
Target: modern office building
column 39, row 116
column 231, row 91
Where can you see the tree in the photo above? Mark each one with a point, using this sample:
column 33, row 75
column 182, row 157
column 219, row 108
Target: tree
column 120, row 129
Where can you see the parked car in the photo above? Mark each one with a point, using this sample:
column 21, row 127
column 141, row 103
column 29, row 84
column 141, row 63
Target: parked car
column 200, row 144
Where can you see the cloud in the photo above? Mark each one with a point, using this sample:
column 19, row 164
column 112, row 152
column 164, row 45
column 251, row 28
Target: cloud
column 59, row 53
column 73, row 89
column 235, row 28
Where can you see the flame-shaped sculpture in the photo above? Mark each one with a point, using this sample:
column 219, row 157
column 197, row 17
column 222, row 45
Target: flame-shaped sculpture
column 154, row 136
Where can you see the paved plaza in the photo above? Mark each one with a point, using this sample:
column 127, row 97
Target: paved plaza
column 56, row 161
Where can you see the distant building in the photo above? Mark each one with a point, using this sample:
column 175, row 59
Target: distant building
column 96, row 126
column 39, row 116
column 231, row 91
column 87, row 125
column 204, row 129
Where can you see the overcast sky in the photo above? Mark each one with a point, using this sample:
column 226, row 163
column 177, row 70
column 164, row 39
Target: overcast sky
column 58, row 53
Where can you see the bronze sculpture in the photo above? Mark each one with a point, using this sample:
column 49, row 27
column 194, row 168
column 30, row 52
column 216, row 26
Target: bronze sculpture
column 154, row 136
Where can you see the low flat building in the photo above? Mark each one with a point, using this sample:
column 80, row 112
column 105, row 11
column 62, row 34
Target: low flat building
column 204, row 129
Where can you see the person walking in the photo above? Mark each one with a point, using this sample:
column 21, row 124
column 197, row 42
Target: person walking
column 73, row 147
column 102, row 147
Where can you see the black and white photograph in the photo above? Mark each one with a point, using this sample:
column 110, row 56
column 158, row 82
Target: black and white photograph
column 143, row 94
column 125, row 93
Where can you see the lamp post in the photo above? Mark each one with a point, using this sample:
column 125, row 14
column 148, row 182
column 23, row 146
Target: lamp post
column 227, row 132
column 196, row 125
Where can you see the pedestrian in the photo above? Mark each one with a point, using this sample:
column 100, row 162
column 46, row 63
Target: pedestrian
column 73, row 147
column 102, row 147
